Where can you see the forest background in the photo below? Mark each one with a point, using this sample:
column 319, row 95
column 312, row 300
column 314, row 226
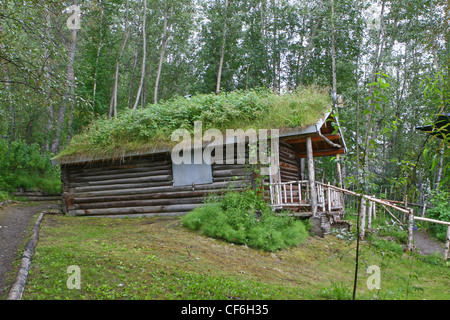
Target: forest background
column 62, row 67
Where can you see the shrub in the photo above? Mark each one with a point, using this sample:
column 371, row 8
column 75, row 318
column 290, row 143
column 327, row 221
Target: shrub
column 24, row 166
column 337, row 291
column 244, row 218
column 440, row 201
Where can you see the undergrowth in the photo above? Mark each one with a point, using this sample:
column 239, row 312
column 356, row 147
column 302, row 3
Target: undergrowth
column 244, row 218
column 24, row 166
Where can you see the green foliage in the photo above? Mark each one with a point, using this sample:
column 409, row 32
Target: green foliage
column 392, row 229
column 337, row 291
column 151, row 127
column 23, row 165
column 440, row 200
column 244, row 218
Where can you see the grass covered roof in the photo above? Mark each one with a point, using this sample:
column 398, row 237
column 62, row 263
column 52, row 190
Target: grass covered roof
column 146, row 130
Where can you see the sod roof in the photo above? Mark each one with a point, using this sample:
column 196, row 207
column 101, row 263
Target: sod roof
column 148, row 130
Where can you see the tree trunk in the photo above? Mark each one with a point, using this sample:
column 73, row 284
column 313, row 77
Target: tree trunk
column 144, row 55
column 11, row 111
column 165, row 38
column 222, row 49
column 113, row 103
column 333, row 49
column 68, row 95
column 100, row 43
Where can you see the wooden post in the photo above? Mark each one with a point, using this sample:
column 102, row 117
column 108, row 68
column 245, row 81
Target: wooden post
column 374, row 209
column 424, row 209
column 410, row 229
column 369, row 215
column 311, row 176
column 339, row 171
column 362, row 212
column 329, row 198
column 447, row 244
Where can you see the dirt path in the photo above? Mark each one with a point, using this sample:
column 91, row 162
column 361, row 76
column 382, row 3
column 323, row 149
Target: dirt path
column 426, row 245
column 15, row 220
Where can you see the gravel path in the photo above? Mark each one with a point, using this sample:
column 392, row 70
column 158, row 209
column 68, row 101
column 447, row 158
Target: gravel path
column 15, row 220
column 426, row 245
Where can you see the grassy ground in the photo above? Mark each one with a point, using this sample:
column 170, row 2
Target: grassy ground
column 156, row 258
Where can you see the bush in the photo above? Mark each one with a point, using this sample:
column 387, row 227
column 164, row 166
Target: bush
column 440, row 200
column 244, row 218
column 24, row 166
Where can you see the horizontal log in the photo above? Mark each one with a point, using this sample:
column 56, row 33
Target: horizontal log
column 161, row 195
column 126, row 169
column 211, row 186
column 144, row 215
column 218, row 167
column 137, row 179
column 230, row 173
column 234, row 178
column 137, row 203
column 432, row 220
column 35, row 193
column 117, row 176
column 124, row 186
column 137, row 210
column 41, row 198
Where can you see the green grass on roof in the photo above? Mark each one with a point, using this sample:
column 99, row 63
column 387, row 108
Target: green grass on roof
column 151, row 128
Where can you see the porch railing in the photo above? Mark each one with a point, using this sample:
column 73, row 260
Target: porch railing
column 298, row 194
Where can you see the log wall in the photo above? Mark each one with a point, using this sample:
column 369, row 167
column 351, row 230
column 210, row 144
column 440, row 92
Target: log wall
column 140, row 186
column 289, row 163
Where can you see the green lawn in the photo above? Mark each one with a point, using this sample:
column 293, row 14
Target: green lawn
column 156, row 258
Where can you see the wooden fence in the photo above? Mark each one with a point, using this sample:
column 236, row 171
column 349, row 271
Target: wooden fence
column 369, row 201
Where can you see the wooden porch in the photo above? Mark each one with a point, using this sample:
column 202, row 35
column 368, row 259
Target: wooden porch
column 296, row 196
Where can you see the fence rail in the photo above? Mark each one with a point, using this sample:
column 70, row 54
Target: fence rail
column 407, row 210
column 298, row 194
column 329, row 198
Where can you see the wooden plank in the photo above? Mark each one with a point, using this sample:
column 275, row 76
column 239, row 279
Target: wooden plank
column 314, row 139
column 322, row 153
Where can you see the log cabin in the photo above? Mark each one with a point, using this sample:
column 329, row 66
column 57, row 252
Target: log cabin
column 151, row 183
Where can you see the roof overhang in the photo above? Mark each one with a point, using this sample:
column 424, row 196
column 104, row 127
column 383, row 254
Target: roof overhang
column 440, row 127
column 326, row 138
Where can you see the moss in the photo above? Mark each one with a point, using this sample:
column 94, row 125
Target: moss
column 148, row 129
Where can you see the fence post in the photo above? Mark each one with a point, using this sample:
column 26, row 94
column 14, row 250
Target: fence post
column 410, row 229
column 369, row 215
column 374, row 209
column 447, row 244
column 362, row 219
